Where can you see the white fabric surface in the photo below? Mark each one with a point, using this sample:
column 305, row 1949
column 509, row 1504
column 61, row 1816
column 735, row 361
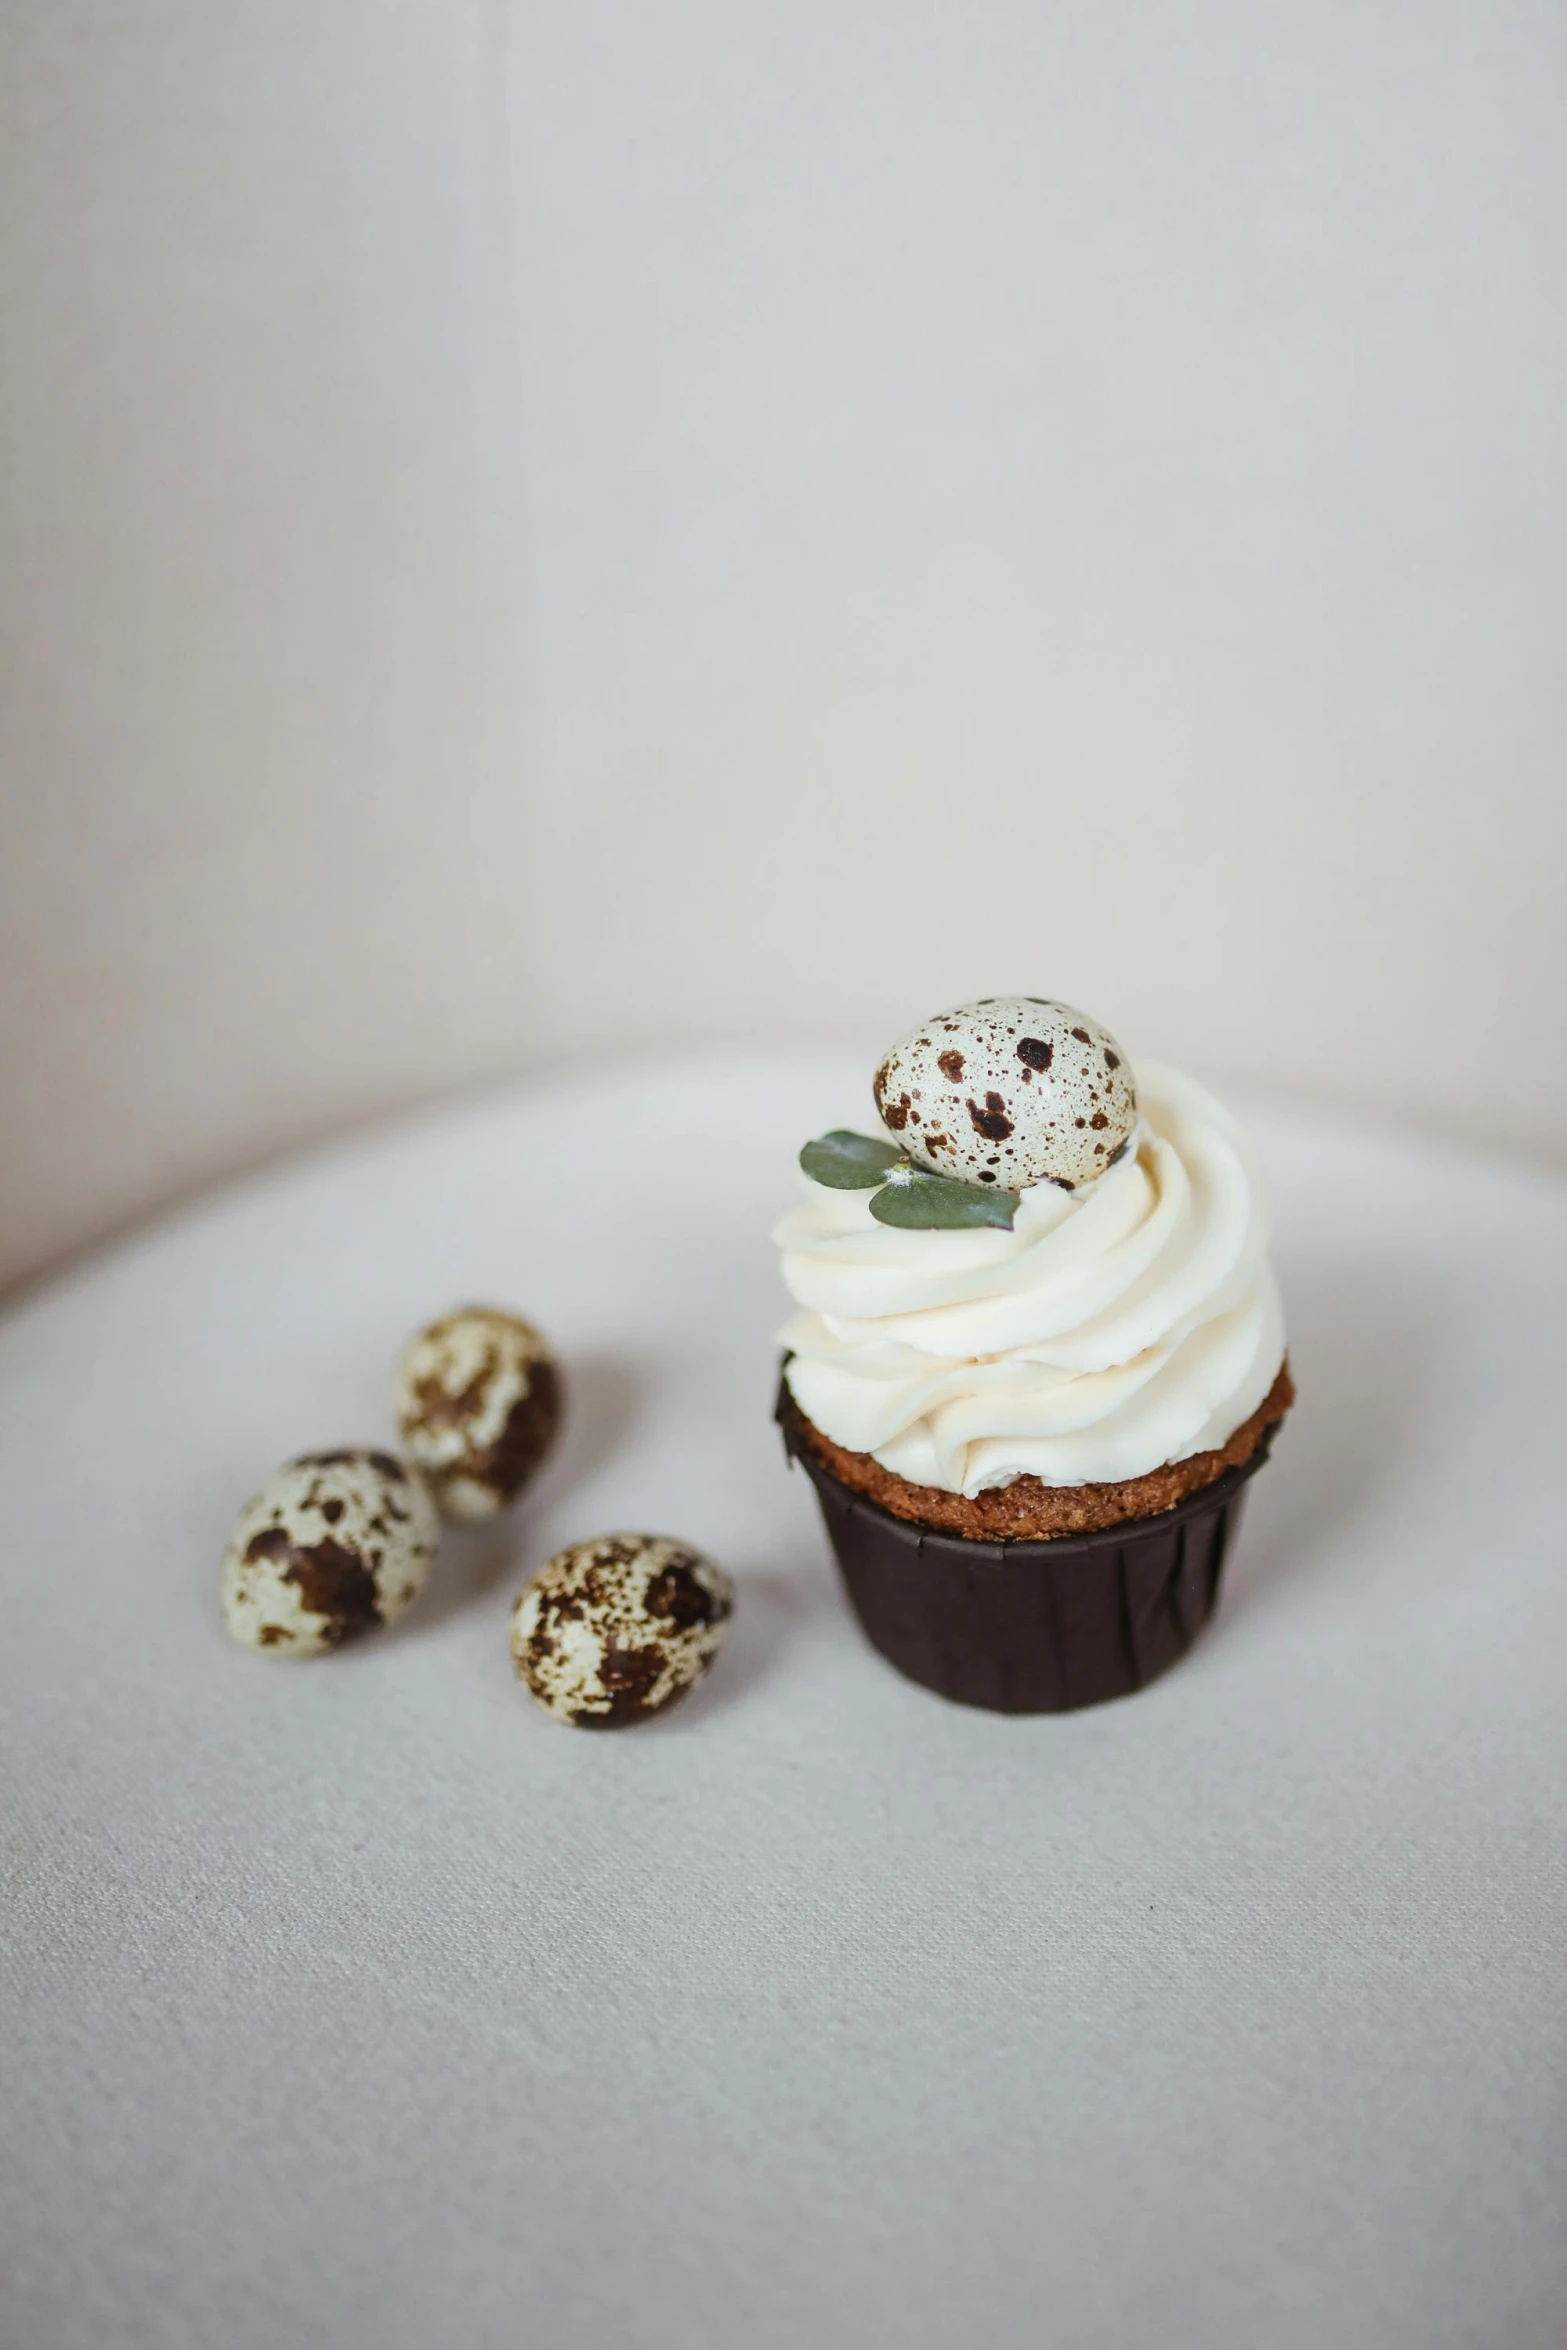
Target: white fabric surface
column 357, row 2002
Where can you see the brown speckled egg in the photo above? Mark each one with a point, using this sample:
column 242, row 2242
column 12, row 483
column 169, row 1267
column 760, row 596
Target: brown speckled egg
column 614, row 1630
column 1013, row 1091
column 332, row 1545
column 479, row 1401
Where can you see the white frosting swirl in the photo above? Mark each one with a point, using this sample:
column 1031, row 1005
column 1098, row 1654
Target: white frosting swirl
column 1114, row 1329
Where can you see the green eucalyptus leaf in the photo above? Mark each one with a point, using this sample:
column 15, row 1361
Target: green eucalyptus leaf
column 848, row 1162
column 919, row 1202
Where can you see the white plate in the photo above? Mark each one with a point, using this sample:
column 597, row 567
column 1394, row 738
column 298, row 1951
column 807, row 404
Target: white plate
column 357, row 2002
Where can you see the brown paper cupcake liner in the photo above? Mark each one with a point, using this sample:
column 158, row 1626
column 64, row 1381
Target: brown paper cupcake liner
column 1030, row 1627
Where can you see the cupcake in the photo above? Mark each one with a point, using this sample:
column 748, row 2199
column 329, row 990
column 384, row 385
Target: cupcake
column 1037, row 1354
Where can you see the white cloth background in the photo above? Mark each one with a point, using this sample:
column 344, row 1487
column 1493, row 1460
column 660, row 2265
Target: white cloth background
column 538, row 527
column 358, row 2002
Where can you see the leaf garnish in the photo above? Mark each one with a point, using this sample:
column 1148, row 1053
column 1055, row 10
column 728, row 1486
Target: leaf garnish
column 908, row 1196
column 848, row 1162
column 917, row 1201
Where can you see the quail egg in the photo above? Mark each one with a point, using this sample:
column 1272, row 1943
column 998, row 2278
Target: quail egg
column 333, row 1544
column 614, row 1630
column 479, row 1402
column 1015, row 1090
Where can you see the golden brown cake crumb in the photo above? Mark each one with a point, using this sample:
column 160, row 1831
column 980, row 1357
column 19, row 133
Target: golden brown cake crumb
column 1028, row 1510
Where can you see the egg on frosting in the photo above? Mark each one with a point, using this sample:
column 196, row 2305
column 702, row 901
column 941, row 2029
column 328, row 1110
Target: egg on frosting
column 613, row 1631
column 1013, row 1091
column 479, row 1401
column 333, row 1545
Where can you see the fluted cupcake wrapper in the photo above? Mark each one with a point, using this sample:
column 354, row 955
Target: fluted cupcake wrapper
column 1030, row 1627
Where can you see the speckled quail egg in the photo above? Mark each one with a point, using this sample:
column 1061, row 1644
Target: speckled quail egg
column 479, row 1401
column 1013, row 1091
column 333, row 1544
column 614, row 1630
